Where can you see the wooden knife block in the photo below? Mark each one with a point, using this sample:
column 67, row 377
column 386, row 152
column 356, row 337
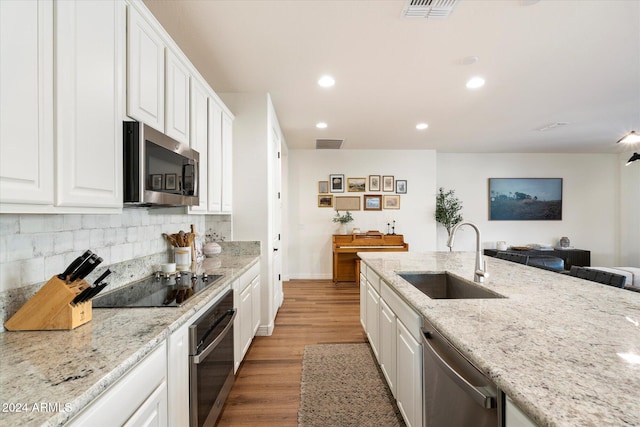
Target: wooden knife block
column 50, row 309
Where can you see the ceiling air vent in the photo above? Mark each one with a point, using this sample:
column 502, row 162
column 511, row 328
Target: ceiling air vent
column 328, row 144
column 434, row 9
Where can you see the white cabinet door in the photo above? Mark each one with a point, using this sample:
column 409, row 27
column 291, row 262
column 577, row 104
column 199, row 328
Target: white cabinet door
column 153, row 412
column 176, row 99
column 178, row 376
column 408, row 376
column 227, row 160
column 215, row 157
column 255, row 301
column 387, row 345
column 246, row 322
column 26, row 104
column 363, row 302
column 199, row 140
column 90, row 37
column 145, row 72
column 373, row 309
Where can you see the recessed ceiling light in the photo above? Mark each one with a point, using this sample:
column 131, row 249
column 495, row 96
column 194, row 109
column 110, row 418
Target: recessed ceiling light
column 422, row 126
column 321, row 125
column 326, row 81
column 475, row 83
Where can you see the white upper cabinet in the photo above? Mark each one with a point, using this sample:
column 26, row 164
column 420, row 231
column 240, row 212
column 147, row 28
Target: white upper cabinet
column 199, row 129
column 227, row 161
column 89, row 72
column 26, row 104
column 145, row 71
column 215, row 157
column 177, row 99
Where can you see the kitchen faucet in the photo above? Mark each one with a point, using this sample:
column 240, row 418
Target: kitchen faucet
column 481, row 268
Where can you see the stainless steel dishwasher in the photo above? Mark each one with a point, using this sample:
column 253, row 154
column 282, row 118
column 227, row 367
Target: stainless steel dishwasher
column 456, row 393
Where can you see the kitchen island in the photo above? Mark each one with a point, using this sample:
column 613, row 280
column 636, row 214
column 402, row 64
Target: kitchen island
column 49, row 377
column 565, row 350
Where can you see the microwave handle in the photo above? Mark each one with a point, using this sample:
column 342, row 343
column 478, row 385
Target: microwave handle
column 194, row 166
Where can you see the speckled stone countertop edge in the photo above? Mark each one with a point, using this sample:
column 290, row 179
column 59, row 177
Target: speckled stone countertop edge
column 231, row 266
column 561, row 407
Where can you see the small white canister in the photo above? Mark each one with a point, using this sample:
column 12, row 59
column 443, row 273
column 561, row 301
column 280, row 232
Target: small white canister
column 182, row 257
column 501, row 245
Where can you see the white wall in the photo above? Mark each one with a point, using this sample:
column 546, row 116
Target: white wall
column 590, row 213
column 310, row 227
column 629, row 211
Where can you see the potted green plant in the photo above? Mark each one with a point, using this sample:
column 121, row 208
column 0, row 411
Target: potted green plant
column 343, row 220
column 448, row 208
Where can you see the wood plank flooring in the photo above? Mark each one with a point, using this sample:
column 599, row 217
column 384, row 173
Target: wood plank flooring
column 267, row 386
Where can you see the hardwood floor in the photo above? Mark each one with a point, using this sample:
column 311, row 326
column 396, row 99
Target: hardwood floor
column 267, row 386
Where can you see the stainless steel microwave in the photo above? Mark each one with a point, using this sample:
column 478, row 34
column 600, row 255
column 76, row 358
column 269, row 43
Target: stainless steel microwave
column 158, row 170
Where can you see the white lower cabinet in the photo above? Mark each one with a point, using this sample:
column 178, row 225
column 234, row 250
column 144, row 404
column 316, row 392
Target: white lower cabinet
column 393, row 329
column 514, row 417
column 388, row 345
column 138, row 399
column 178, row 376
column 409, row 376
column 244, row 326
column 363, row 301
column 373, row 309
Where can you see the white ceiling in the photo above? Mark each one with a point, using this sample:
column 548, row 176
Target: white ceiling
column 554, row 61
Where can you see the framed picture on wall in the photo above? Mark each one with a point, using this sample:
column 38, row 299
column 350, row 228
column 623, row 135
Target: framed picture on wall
column 374, row 182
column 156, row 182
column 336, row 183
column 401, row 186
column 323, row 187
column 347, row 203
column 372, row 202
column 325, row 201
column 391, row 202
column 356, row 184
column 524, row 199
column 170, row 182
column 387, row 183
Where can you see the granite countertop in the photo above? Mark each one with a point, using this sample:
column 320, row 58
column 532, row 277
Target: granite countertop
column 564, row 349
column 66, row 370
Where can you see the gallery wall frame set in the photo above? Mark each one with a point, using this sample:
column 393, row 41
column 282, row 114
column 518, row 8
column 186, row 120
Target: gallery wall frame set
column 370, row 202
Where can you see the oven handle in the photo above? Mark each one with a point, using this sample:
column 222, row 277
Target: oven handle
column 196, row 359
column 485, row 400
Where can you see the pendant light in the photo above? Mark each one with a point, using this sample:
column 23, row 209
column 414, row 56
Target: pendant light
column 633, row 158
column 630, row 138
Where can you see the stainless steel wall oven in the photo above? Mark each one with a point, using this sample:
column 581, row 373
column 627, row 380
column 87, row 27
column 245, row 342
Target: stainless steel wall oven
column 211, row 362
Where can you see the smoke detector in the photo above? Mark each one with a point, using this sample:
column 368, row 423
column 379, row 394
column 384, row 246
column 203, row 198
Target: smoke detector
column 329, row 144
column 434, row 9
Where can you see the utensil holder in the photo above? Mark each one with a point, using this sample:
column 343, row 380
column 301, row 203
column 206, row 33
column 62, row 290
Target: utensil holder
column 50, row 309
column 182, row 257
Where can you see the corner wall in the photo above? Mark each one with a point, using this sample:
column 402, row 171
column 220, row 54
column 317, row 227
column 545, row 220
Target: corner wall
column 591, row 202
column 310, row 228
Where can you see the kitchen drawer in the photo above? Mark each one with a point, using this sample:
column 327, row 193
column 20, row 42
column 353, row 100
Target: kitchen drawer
column 410, row 318
column 145, row 382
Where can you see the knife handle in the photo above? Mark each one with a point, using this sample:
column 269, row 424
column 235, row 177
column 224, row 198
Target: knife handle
column 74, row 264
column 102, row 277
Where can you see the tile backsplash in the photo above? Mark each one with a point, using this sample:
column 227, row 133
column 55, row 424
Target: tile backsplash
column 35, row 247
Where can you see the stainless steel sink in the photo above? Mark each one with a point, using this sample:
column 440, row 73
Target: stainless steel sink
column 437, row 285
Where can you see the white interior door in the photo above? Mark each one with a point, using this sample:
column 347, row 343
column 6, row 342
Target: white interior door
column 276, row 220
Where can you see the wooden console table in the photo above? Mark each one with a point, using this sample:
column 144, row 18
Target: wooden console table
column 346, row 247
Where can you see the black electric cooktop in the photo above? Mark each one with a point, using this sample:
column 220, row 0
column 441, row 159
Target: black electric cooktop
column 157, row 291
